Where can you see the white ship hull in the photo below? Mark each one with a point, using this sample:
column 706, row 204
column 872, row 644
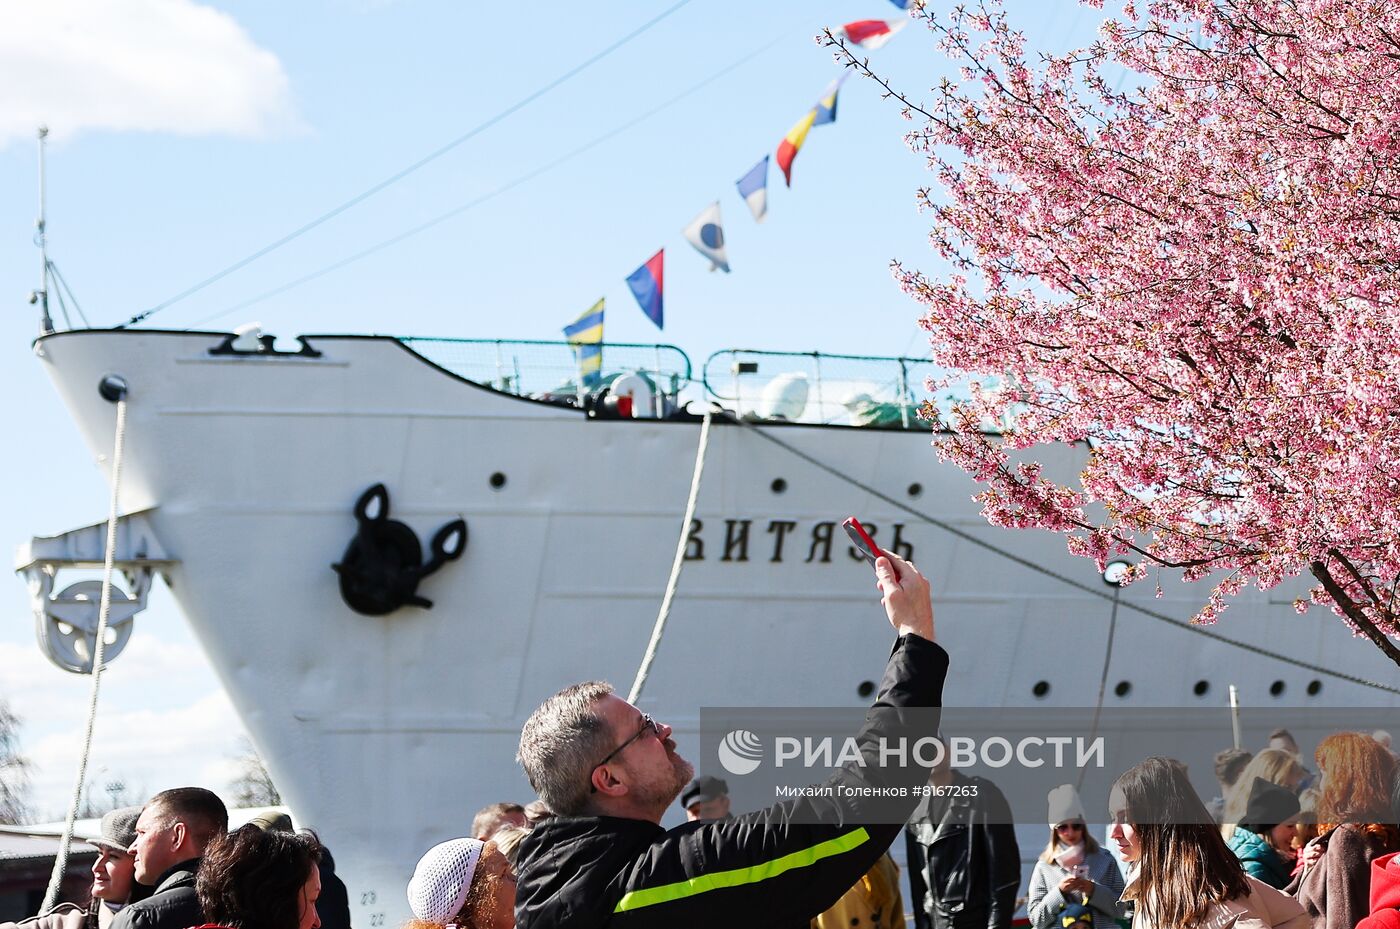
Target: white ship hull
column 385, row 733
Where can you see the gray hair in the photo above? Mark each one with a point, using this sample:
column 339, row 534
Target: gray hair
column 562, row 742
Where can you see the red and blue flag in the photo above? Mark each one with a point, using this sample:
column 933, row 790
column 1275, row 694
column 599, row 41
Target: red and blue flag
column 646, row 283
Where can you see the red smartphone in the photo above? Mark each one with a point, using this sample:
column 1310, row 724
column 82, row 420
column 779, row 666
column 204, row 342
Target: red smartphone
column 864, row 543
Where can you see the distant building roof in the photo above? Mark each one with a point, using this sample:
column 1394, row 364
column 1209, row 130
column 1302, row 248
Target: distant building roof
column 17, row 848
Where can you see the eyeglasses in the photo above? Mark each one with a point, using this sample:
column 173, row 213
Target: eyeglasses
column 1070, row 827
column 648, row 725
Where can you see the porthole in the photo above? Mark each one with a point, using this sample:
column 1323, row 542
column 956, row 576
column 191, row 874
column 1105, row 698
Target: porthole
column 1201, row 689
column 1276, row 689
column 778, row 486
column 1314, row 688
column 1041, row 688
column 1123, row 689
column 865, row 688
column 498, row 480
column 916, row 489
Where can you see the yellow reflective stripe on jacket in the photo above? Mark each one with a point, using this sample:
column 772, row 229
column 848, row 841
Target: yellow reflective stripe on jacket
column 667, row 893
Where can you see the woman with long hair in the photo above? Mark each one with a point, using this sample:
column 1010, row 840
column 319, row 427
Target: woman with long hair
column 1354, row 825
column 260, row 879
column 1073, row 869
column 463, row 883
column 1184, row 876
column 1273, row 765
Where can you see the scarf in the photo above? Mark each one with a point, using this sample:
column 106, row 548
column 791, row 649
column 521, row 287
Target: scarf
column 1070, row 856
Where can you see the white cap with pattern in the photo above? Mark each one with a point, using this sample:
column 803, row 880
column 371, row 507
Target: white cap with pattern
column 438, row 890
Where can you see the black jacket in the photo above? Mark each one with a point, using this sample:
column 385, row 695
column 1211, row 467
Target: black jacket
column 964, row 867
column 171, row 906
column 762, row 869
column 333, row 906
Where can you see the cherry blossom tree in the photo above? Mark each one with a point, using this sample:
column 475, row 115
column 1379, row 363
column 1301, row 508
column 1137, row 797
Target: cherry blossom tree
column 1192, row 270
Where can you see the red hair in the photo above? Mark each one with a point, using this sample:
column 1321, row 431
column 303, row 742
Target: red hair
column 1357, row 776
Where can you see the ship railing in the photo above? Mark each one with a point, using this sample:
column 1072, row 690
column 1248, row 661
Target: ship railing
column 805, row 387
column 549, row 371
column 819, row 388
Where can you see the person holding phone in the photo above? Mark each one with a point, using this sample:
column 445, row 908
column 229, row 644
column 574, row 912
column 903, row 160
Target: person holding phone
column 610, row 771
column 1073, row 869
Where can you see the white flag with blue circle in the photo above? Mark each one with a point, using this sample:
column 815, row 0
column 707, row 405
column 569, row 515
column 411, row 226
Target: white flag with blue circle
column 706, row 233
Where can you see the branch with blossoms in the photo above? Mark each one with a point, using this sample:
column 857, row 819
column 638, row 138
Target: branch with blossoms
column 1196, row 277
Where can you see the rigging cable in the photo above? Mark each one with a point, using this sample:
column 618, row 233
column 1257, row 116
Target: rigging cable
column 64, row 288
column 395, row 178
column 1103, row 678
column 490, row 195
column 652, row 646
column 104, row 608
column 1055, row 575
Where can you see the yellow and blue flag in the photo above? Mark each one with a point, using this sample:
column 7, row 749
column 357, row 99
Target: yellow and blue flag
column 826, row 106
column 585, row 336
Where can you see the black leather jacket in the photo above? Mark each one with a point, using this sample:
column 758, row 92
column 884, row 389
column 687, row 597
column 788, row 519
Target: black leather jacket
column 965, row 868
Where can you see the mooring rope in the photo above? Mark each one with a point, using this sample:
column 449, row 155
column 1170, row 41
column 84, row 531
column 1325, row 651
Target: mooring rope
column 99, row 649
column 640, row 681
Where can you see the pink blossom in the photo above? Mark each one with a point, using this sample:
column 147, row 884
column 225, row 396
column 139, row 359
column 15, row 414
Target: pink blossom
column 1214, row 306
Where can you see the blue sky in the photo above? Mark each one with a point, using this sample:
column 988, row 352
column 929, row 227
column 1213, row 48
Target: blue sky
column 187, row 135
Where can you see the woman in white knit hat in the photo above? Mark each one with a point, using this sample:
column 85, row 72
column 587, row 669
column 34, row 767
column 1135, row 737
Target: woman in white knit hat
column 462, row 883
column 1073, row 869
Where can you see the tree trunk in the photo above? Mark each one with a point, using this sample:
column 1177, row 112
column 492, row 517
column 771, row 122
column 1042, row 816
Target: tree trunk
column 1354, row 612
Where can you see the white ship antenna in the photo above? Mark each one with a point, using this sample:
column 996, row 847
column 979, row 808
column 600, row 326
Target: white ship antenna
column 41, row 296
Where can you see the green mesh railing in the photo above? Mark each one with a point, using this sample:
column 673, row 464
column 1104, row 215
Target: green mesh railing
column 812, row 387
column 808, row 387
column 547, row 370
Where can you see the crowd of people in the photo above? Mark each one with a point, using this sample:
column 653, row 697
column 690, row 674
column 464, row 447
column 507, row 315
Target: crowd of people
column 1283, row 847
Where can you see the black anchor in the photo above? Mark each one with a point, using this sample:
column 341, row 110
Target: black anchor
column 381, row 568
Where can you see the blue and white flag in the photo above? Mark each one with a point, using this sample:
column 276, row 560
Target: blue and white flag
column 753, row 187
column 706, row 233
column 585, row 336
column 903, row 4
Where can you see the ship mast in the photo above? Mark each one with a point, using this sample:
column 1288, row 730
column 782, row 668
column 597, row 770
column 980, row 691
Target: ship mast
column 41, row 296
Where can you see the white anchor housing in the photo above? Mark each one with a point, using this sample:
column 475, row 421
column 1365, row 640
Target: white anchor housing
column 66, row 622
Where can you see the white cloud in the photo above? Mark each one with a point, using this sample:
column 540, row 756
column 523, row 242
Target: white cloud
column 153, row 65
column 145, row 749
column 163, row 721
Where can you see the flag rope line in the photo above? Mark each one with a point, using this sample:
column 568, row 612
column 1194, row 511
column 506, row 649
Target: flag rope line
column 60, row 863
column 400, row 175
column 676, row 564
column 1050, row 573
column 490, row 195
